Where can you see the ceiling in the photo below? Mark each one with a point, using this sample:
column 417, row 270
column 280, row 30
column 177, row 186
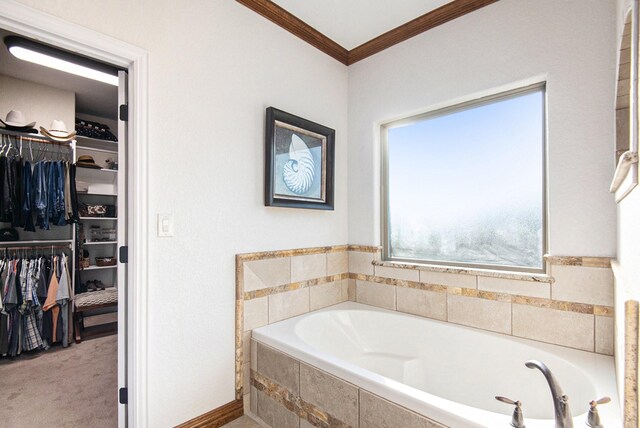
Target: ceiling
column 92, row 97
column 351, row 23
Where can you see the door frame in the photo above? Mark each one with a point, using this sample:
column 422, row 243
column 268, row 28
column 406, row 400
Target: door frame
column 55, row 31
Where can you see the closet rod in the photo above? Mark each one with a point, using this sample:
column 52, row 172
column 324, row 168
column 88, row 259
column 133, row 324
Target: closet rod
column 41, row 140
column 37, row 247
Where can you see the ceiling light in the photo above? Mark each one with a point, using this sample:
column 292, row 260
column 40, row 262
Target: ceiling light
column 58, row 59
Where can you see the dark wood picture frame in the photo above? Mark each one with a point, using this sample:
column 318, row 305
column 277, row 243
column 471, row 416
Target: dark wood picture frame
column 299, row 162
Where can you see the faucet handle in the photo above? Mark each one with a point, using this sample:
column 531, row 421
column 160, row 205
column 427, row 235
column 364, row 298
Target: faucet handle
column 593, row 417
column 517, row 419
column 508, row 401
column 603, row 400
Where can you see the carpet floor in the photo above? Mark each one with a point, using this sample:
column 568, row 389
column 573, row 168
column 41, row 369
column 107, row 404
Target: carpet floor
column 62, row 387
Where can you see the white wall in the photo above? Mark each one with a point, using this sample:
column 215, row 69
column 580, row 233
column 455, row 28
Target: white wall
column 39, row 103
column 214, row 68
column 571, row 44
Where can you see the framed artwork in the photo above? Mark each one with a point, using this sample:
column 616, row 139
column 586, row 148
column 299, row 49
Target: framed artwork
column 299, row 162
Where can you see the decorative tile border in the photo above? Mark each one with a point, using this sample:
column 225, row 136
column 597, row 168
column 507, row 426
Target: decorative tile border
column 491, row 295
column 255, row 294
column 464, row 271
column 246, row 257
column 596, row 262
column 294, row 403
column 631, row 339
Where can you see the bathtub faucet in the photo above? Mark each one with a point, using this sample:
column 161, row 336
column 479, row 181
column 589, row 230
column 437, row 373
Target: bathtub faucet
column 560, row 400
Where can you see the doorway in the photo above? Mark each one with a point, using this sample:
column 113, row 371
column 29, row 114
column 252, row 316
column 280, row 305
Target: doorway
column 25, row 22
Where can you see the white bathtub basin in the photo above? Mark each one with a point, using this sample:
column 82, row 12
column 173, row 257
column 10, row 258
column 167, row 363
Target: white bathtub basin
column 447, row 372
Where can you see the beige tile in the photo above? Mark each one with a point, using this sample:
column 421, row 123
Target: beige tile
column 480, row 313
column 256, row 313
column 288, row 304
column 334, row 396
column 337, row 263
column 376, row 412
column 428, row 304
column 279, row 367
column 246, row 402
column 307, row 267
column 514, row 286
column 305, row 424
column 397, row 273
column 254, row 355
column 351, row 290
column 448, row 279
column 360, row 262
column 246, row 346
column 380, row 295
column 604, row 335
column 253, row 398
column 246, row 377
column 274, row 414
column 243, row 422
column 328, row 294
column 583, row 285
column 259, row 274
column 564, row 328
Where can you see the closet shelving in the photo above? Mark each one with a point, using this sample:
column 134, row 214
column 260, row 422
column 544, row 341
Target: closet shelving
column 102, row 189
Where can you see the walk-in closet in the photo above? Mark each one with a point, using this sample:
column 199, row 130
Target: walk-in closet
column 62, row 239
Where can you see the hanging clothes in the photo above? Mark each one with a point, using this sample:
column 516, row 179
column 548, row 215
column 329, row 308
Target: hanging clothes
column 35, row 296
column 45, row 189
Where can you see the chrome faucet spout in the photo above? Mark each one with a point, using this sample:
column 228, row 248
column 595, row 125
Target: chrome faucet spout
column 560, row 400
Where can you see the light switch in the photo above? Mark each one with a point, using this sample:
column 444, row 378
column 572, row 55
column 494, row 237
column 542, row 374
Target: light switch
column 165, row 225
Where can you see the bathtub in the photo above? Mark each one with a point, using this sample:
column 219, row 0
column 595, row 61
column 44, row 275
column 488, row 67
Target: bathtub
column 446, row 372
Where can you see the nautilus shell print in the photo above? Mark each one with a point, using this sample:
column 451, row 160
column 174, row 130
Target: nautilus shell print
column 299, row 171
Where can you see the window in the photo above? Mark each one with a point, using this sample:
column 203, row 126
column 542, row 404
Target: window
column 465, row 185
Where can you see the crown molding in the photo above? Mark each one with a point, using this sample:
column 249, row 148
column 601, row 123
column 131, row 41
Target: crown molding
column 297, row 27
column 304, row 31
column 419, row 25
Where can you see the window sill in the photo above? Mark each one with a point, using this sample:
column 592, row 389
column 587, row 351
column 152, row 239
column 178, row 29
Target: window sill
column 533, row 277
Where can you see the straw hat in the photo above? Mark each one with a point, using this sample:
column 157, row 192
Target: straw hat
column 16, row 119
column 58, row 132
column 86, row 161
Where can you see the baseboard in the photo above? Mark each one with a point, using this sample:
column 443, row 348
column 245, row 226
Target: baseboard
column 216, row 417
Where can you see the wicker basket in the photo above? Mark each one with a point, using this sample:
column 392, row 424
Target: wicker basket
column 84, row 263
column 106, row 261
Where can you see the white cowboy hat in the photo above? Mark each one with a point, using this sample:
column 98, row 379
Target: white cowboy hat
column 58, row 132
column 15, row 119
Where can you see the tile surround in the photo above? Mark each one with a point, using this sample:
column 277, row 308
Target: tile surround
column 288, row 304
column 571, row 329
column 328, row 294
column 323, row 276
column 376, row 412
column 583, row 284
column 486, row 314
column 513, row 286
column 307, row 267
column 322, row 400
column 375, row 294
column 333, row 395
column 428, row 304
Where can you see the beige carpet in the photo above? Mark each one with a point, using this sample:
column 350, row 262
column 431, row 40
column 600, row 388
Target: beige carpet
column 72, row 387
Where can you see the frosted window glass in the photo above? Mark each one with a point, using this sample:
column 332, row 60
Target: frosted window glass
column 467, row 187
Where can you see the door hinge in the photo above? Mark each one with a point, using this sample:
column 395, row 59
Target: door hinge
column 124, row 112
column 124, row 254
column 123, row 395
